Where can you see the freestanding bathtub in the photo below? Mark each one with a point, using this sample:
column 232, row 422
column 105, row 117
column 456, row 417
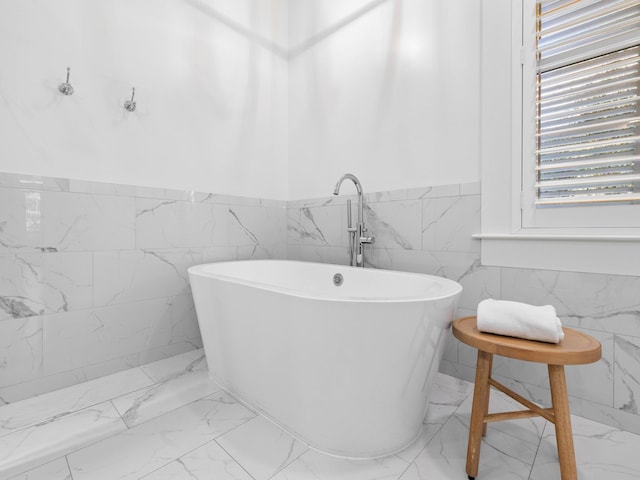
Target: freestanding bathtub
column 346, row 369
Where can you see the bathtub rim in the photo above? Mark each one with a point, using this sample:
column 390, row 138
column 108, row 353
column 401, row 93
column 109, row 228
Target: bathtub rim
column 197, row 270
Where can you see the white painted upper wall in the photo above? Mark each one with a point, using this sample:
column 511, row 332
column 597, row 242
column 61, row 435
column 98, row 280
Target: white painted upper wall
column 393, row 97
column 211, row 100
column 389, row 91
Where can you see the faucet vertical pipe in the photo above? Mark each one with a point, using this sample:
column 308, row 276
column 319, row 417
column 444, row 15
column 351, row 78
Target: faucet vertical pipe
column 360, row 229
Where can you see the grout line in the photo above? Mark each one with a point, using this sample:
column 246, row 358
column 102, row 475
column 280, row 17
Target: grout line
column 113, row 405
column 535, row 457
column 146, row 374
column 231, row 456
column 68, row 466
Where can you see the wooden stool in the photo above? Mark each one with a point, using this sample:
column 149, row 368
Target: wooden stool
column 575, row 349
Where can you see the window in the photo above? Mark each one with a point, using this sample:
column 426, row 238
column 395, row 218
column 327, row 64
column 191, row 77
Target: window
column 560, row 129
column 586, row 145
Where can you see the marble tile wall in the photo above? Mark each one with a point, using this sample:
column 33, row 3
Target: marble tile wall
column 93, row 276
column 429, row 231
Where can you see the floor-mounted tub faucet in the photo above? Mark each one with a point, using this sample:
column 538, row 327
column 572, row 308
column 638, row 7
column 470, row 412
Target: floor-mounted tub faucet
column 357, row 238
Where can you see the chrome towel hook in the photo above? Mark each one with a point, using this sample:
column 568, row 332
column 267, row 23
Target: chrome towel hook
column 130, row 105
column 65, row 88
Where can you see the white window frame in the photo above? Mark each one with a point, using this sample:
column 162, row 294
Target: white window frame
column 504, row 116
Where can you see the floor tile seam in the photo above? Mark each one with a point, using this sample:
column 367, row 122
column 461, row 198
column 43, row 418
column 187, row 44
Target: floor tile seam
column 535, row 457
column 229, row 453
column 66, row 459
column 144, row 372
column 168, row 411
column 283, row 467
column 438, row 430
column 411, row 463
column 212, row 440
column 462, row 417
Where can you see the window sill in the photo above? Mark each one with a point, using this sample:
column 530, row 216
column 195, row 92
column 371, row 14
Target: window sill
column 606, row 254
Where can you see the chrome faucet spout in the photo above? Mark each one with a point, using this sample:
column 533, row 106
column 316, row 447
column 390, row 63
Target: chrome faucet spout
column 351, row 177
column 357, row 238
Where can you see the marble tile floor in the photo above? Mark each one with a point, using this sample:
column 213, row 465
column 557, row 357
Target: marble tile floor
column 168, row 421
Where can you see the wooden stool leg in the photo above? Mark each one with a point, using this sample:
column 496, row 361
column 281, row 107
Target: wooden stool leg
column 564, row 435
column 478, row 411
column 486, row 409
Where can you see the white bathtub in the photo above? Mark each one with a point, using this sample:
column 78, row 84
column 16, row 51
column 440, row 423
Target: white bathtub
column 345, row 369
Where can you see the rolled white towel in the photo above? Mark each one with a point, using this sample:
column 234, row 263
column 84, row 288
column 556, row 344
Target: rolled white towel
column 521, row 320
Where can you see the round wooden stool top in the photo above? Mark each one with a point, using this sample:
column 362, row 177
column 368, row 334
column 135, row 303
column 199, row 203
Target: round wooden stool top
column 576, row 348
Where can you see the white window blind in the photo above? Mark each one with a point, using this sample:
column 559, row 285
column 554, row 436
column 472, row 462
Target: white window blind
column 588, row 102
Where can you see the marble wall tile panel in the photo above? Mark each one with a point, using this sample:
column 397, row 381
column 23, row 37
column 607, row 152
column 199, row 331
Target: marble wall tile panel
column 46, row 221
column 21, row 341
column 173, row 224
column 377, row 257
column 256, row 226
column 329, row 200
column 386, row 196
column 335, row 255
column 395, row 224
column 319, row 226
column 450, row 352
column 627, row 374
column 458, row 370
column 449, row 222
column 161, row 353
column 262, row 251
column 73, row 221
column 609, row 303
column 593, row 382
column 478, row 281
column 21, row 222
column 305, row 253
column 43, row 384
column 435, row 191
column 584, row 408
column 133, row 275
column 43, row 283
column 184, row 321
column 176, row 366
column 219, row 254
column 76, row 339
column 416, row 261
column 470, row 188
column 221, row 221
